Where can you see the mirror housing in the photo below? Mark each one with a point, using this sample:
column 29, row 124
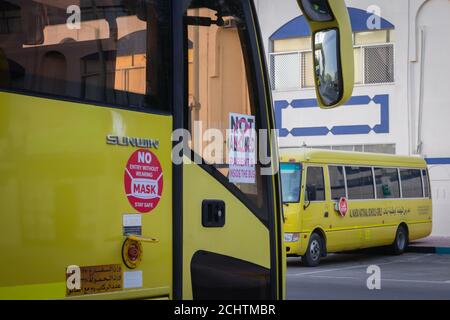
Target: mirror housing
column 332, row 43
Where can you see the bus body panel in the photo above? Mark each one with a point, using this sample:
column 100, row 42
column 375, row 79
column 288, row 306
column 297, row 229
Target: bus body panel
column 419, row 230
column 63, row 163
column 242, row 233
column 63, row 196
column 368, row 223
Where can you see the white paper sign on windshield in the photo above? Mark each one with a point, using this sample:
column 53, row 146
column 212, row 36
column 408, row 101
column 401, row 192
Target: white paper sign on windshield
column 242, row 149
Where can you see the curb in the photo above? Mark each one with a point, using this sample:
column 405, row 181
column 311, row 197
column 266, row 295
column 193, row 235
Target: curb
column 435, row 250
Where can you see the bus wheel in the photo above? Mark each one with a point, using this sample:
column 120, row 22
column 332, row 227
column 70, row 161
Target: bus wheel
column 401, row 241
column 314, row 251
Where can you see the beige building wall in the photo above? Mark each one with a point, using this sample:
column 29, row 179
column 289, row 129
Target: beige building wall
column 217, row 77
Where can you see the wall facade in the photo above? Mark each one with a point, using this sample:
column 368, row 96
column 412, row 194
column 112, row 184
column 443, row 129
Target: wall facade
column 401, row 101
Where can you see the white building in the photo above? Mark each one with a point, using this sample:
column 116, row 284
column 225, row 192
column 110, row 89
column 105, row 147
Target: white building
column 401, row 100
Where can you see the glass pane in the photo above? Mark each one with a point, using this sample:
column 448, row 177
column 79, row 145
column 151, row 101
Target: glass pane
column 295, row 44
column 308, row 70
column 426, row 183
column 371, row 37
column 220, row 103
column 290, row 180
column 327, row 66
column 321, row 147
column 379, row 64
column 337, row 180
column 380, row 148
column 358, row 66
column 411, row 183
column 343, row 148
column 387, row 183
column 286, row 71
column 315, row 187
column 359, row 183
column 392, row 36
column 118, row 55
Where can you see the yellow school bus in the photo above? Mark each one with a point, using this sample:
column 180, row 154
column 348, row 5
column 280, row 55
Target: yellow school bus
column 107, row 189
column 338, row 201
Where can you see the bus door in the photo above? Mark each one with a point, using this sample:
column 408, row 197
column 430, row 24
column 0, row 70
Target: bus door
column 354, row 184
column 229, row 246
column 85, row 166
column 316, row 209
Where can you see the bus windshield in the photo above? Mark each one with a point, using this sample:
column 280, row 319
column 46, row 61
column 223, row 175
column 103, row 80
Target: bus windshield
column 290, row 180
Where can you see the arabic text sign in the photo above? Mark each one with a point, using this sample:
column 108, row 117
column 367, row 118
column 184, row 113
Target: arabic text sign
column 98, row 279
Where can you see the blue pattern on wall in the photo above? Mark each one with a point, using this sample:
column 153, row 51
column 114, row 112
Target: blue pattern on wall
column 383, row 127
column 432, row 161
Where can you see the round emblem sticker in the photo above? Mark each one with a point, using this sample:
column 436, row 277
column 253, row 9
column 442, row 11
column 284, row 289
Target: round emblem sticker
column 343, row 206
column 143, row 181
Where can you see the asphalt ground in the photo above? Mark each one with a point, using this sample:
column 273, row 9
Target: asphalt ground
column 344, row 276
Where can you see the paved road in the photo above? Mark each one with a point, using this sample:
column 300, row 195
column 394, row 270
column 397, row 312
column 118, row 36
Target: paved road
column 344, row 276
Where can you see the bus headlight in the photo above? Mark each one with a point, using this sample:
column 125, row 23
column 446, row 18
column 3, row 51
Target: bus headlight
column 291, row 237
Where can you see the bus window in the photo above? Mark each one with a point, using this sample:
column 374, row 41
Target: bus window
column 426, row 183
column 387, row 183
column 315, row 185
column 360, row 183
column 117, row 56
column 221, row 77
column 291, row 180
column 411, row 183
column 337, row 182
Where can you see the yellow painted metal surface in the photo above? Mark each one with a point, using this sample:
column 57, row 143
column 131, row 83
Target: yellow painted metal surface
column 353, row 231
column 273, row 143
column 62, row 194
column 243, row 236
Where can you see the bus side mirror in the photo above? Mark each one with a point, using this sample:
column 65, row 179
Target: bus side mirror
column 333, row 50
column 310, row 194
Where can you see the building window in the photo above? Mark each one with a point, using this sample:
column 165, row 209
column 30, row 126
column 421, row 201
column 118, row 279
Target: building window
column 371, row 148
column 286, row 71
column 291, row 61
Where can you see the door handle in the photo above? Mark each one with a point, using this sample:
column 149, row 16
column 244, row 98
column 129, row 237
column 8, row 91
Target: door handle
column 142, row 239
column 213, row 213
column 326, row 214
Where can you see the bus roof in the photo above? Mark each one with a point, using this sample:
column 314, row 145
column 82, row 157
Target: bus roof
column 352, row 158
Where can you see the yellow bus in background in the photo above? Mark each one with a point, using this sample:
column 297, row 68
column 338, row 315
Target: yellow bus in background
column 340, row 201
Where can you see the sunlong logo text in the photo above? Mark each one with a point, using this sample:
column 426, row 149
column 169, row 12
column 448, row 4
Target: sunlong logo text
column 132, row 142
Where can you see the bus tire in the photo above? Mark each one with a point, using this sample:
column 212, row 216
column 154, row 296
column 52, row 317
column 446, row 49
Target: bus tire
column 314, row 251
column 400, row 241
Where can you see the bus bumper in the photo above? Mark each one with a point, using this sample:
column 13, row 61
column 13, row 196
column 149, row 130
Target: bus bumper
column 297, row 248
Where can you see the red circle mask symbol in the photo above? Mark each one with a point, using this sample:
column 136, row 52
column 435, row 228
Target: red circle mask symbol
column 343, row 206
column 143, row 181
